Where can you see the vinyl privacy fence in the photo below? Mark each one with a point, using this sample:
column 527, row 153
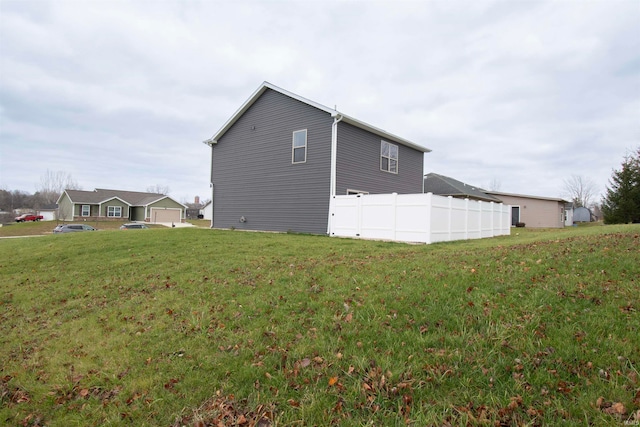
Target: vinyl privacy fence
column 424, row 218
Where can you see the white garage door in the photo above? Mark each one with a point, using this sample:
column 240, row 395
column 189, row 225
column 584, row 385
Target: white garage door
column 165, row 215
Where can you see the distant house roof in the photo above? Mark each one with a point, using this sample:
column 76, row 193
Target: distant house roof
column 555, row 199
column 101, row 195
column 446, row 186
column 334, row 113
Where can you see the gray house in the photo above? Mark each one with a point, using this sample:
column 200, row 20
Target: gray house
column 279, row 160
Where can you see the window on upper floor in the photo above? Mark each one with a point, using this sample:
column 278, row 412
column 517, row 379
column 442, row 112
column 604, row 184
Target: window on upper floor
column 299, row 146
column 388, row 157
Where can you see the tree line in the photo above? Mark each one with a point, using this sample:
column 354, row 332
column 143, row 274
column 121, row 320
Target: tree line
column 52, row 184
column 621, row 203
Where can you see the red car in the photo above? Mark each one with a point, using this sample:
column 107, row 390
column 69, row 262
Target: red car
column 28, row 217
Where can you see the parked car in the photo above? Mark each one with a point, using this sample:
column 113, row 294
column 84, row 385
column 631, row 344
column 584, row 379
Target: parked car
column 133, row 226
column 70, row 228
column 28, row 217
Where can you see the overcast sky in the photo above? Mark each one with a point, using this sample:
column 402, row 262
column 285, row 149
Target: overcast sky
column 121, row 94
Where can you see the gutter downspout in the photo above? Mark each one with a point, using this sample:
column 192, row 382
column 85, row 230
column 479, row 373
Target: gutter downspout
column 334, row 161
column 211, row 143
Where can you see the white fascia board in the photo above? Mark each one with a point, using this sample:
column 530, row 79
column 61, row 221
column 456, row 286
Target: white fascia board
column 60, row 198
column 347, row 119
column 165, row 197
column 383, row 133
column 114, row 197
column 526, row 196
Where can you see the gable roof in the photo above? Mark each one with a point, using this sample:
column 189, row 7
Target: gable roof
column 446, row 186
column 101, row 195
column 334, row 113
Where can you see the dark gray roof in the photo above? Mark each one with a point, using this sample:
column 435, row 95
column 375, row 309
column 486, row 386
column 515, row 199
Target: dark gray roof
column 100, row 195
column 446, row 186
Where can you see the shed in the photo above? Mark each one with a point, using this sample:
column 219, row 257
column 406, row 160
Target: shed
column 581, row 214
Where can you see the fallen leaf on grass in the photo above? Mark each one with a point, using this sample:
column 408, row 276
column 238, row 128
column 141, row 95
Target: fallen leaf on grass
column 615, row 409
column 305, row 362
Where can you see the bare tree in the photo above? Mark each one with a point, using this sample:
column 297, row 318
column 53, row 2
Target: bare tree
column 158, row 189
column 52, row 184
column 580, row 190
column 495, row 184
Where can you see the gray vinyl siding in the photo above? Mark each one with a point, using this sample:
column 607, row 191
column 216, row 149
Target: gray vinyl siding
column 358, row 165
column 253, row 175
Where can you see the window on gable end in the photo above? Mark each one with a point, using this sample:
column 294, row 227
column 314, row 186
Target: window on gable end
column 388, row 157
column 299, row 146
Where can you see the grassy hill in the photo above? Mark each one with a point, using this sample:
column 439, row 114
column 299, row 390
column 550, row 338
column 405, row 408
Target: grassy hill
column 200, row 327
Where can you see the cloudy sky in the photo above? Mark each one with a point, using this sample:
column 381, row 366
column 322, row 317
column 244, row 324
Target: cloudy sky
column 514, row 95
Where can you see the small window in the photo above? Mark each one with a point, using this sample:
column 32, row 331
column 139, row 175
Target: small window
column 114, row 211
column 388, row 157
column 299, row 154
column 352, row 192
column 86, row 210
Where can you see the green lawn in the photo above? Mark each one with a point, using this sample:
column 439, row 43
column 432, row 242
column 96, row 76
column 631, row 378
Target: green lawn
column 198, row 327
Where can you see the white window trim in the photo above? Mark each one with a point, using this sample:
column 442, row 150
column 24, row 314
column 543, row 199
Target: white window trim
column 115, row 209
column 389, row 158
column 293, row 147
column 88, row 210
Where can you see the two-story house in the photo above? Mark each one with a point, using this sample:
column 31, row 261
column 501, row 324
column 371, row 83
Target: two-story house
column 279, row 160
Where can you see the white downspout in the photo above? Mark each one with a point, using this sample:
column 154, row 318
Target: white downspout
column 334, row 161
column 211, row 143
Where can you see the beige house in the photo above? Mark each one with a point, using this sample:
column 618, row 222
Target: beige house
column 534, row 211
column 101, row 204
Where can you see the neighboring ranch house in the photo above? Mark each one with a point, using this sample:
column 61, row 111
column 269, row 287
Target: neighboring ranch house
column 279, row 160
column 534, row 211
column 101, row 204
column 445, row 186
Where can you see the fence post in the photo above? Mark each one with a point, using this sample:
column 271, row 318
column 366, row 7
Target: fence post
column 480, row 219
column 358, row 214
column 450, row 219
column 466, row 218
column 429, row 208
column 493, row 229
column 394, row 200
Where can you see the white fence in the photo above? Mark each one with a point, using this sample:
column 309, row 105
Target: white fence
column 425, row 218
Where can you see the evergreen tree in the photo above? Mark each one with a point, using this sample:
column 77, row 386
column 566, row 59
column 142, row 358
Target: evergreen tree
column 621, row 204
